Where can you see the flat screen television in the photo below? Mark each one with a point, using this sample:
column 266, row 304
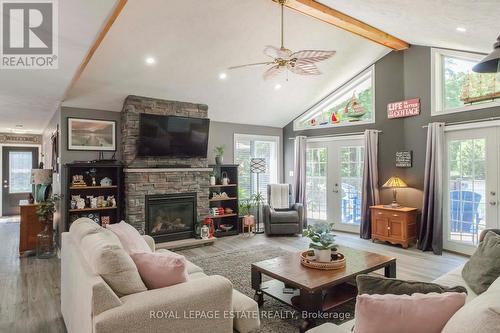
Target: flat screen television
column 172, row 136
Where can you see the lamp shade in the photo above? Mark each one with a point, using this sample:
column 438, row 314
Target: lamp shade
column 490, row 63
column 41, row 176
column 395, row 182
column 257, row 165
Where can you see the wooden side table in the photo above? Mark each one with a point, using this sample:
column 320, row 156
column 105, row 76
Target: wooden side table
column 29, row 228
column 394, row 225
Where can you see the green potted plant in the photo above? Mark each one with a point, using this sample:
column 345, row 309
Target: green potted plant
column 322, row 240
column 44, row 241
column 219, row 154
column 46, row 209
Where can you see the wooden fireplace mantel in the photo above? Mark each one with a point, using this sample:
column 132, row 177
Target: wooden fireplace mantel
column 169, row 170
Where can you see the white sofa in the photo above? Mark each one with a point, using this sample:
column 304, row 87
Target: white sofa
column 473, row 302
column 89, row 305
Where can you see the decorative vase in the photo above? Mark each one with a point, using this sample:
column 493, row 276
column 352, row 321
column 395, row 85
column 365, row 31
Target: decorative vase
column 323, row 255
column 248, row 220
column 44, row 243
column 219, row 160
column 212, row 180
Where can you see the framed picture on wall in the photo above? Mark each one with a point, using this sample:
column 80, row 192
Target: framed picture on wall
column 91, row 134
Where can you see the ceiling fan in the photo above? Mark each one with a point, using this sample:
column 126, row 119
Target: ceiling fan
column 300, row 62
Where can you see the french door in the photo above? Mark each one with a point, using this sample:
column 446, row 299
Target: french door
column 470, row 186
column 333, row 182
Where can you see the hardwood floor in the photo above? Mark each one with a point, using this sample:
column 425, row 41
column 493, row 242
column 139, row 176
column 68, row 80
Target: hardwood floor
column 30, row 287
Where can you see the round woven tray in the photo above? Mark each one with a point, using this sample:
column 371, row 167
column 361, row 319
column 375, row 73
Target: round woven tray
column 312, row 263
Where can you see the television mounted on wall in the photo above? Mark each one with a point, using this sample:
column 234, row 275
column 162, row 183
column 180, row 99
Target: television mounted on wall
column 172, row 136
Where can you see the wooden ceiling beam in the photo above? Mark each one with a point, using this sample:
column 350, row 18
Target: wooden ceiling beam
column 329, row 15
column 100, row 37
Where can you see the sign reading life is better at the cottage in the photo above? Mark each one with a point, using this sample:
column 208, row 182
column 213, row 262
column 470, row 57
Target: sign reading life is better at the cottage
column 408, row 108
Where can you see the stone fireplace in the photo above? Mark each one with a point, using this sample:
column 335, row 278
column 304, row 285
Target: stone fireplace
column 170, row 217
column 150, row 178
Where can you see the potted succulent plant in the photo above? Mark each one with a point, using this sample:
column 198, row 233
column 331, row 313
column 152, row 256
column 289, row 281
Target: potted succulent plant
column 322, row 240
column 219, row 154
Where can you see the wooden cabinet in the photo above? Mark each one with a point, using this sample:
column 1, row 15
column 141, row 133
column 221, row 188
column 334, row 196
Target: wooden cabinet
column 29, row 227
column 394, row 225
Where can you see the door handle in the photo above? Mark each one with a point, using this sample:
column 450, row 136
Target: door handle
column 493, row 203
column 336, row 188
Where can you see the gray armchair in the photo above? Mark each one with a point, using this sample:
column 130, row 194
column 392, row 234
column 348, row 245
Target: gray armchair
column 286, row 219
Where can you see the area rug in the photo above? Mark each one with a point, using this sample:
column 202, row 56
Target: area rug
column 276, row 317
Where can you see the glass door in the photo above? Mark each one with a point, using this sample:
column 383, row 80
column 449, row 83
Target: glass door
column 471, row 184
column 17, row 163
column 334, row 177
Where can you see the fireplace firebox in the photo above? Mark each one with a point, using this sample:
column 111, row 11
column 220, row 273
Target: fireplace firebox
column 170, row 217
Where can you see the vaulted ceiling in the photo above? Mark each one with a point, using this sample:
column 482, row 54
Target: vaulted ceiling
column 194, row 41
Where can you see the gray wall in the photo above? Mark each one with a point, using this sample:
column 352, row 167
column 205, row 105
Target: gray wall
column 398, row 76
column 223, row 134
column 389, row 82
column 68, row 156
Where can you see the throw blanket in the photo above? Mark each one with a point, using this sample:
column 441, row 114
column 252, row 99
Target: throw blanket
column 279, row 196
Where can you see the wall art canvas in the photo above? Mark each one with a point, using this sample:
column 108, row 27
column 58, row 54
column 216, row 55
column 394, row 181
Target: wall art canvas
column 91, row 134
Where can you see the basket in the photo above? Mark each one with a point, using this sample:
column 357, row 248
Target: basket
column 307, row 261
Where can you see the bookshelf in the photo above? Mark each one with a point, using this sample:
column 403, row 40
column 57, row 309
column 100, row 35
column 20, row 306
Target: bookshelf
column 232, row 201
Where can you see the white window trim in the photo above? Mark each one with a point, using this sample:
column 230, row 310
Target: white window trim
column 437, row 105
column 270, row 138
column 350, row 84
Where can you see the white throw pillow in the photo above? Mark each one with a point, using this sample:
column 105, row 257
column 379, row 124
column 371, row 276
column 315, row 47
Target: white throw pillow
column 83, row 227
column 481, row 315
column 130, row 238
column 107, row 257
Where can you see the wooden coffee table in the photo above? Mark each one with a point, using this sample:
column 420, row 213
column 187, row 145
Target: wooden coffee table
column 316, row 291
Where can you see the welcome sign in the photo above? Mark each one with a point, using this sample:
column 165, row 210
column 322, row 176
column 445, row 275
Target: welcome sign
column 408, row 108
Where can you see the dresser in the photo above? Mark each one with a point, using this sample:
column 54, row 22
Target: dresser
column 394, row 225
column 29, row 228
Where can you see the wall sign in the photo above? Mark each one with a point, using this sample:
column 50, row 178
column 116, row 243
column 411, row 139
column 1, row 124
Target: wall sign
column 408, row 108
column 404, row 159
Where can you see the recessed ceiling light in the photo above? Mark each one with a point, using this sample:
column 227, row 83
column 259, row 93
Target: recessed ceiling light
column 150, row 61
column 222, row 76
column 277, row 87
column 461, row 29
column 19, row 126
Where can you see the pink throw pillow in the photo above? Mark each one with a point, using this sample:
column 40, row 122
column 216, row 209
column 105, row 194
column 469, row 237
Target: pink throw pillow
column 131, row 239
column 417, row 313
column 160, row 269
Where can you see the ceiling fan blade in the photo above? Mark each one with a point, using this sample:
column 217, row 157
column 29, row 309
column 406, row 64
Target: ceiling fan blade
column 313, row 55
column 273, row 71
column 253, row 65
column 276, row 52
column 304, row 68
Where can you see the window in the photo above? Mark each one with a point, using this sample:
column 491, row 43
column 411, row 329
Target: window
column 252, row 146
column 456, row 87
column 351, row 104
column 316, row 164
column 21, row 164
column 351, row 179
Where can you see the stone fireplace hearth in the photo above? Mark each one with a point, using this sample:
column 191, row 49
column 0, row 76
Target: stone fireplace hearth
column 148, row 177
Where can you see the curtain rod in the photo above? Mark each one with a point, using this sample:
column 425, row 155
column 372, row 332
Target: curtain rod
column 468, row 121
column 335, row 135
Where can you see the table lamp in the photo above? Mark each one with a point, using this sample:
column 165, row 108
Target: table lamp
column 394, row 183
column 42, row 179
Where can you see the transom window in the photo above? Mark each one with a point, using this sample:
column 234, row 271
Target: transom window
column 351, row 104
column 456, row 87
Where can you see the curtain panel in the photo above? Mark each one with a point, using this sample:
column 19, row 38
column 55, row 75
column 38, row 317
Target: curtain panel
column 370, row 191
column 299, row 172
column 431, row 227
